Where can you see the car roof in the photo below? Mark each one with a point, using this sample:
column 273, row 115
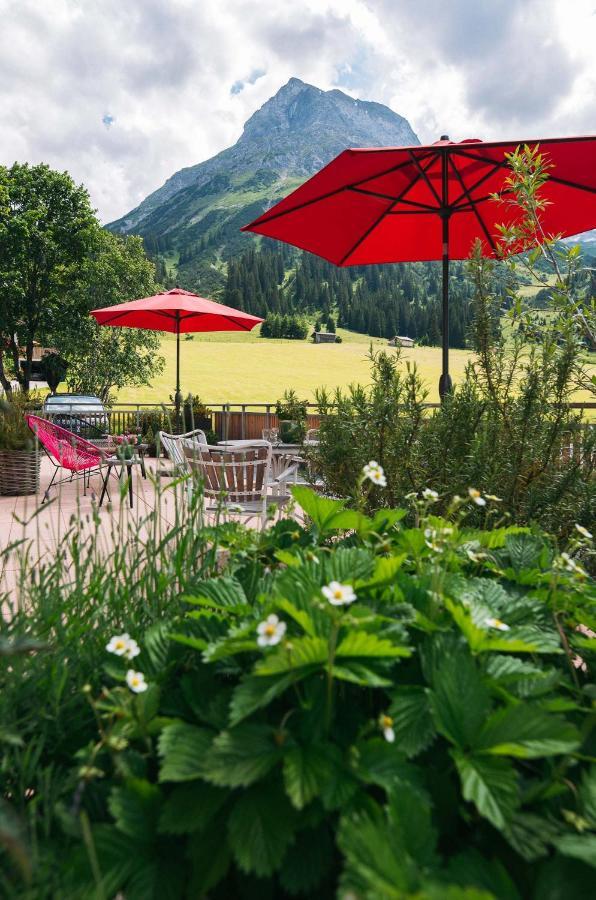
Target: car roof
column 73, row 398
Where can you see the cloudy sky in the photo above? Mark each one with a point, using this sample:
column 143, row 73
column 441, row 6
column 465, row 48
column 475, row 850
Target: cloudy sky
column 122, row 93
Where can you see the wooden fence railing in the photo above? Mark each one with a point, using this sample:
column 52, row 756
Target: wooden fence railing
column 230, row 421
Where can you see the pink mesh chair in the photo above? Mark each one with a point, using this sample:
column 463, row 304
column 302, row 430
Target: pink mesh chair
column 66, row 450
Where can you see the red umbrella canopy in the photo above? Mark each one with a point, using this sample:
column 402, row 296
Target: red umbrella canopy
column 387, row 205
column 177, row 311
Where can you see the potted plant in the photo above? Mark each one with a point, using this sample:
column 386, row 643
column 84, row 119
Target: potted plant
column 291, row 413
column 19, row 456
column 195, row 414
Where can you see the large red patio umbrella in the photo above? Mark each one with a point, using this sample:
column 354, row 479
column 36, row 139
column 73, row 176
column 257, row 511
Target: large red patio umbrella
column 178, row 312
column 407, row 204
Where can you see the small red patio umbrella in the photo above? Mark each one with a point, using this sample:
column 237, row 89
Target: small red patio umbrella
column 178, row 312
column 407, row 204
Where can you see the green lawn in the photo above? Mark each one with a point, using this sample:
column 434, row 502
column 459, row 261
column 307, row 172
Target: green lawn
column 244, row 368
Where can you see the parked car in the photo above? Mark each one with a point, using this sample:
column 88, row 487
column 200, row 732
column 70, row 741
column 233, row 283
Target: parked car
column 82, row 414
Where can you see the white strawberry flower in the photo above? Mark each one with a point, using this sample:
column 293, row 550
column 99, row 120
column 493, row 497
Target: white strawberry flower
column 119, row 644
column 375, row 473
column 132, row 650
column 123, row 645
column 583, row 531
column 386, row 725
column 496, row 623
column 571, row 565
column 339, row 594
column 271, row 631
column 136, row 681
column 476, row 497
column 429, row 494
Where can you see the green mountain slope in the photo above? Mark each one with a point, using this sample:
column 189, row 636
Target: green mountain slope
column 193, row 220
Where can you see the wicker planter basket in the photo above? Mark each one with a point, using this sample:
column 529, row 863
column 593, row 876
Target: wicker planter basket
column 19, row 472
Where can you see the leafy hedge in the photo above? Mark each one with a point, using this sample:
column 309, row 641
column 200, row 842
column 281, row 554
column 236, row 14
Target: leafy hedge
column 431, row 738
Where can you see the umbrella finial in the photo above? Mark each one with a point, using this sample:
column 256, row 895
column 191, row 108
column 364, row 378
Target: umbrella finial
column 444, row 137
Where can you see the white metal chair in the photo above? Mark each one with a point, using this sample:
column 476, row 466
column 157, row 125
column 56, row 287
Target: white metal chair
column 174, row 445
column 236, row 479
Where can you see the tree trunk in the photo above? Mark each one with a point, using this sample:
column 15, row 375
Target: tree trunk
column 28, row 360
column 3, row 379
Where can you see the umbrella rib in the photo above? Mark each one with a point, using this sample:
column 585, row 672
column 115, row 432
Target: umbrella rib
column 474, row 209
column 385, row 212
column 495, row 168
column 503, row 163
column 422, row 207
column 264, row 218
column 426, row 179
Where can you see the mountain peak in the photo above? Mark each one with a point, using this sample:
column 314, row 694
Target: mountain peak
column 299, row 107
column 198, row 212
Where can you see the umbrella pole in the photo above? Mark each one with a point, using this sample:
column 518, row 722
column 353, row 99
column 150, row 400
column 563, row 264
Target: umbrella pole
column 445, row 383
column 177, row 396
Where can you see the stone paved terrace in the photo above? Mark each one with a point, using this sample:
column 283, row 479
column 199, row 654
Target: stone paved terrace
column 27, row 521
column 42, row 525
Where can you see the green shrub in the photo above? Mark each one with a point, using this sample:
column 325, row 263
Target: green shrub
column 429, row 737
column 15, row 434
column 513, row 446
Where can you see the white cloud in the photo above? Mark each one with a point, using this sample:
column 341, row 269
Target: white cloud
column 125, row 94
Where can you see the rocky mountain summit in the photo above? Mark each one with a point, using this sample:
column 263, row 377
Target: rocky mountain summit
column 194, row 218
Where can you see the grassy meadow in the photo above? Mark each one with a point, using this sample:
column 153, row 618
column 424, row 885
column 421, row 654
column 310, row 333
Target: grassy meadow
column 245, row 368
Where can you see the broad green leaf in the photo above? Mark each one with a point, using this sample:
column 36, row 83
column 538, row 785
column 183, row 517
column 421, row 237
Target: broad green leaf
column 222, row 593
column 135, row 807
column 530, row 835
column 578, row 846
column 288, row 558
column 155, row 648
column 459, row 701
column 210, row 858
column 588, row 794
column 299, row 615
column 119, row 857
column 524, row 679
column 190, row 807
column 195, row 643
column 364, row 644
column 182, row 748
column 302, row 652
column 496, row 537
column 410, row 813
column 358, row 673
column 412, row 720
column 385, row 519
column 471, row 868
column 305, row 770
column 379, row 762
column 386, row 568
column 528, row 732
column 487, row 640
column 490, row 784
column 321, row 510
column 525, row 551
column 255, row 692
column 242, row 755
column 261, row 828
column 377, row 864
column 315, row 845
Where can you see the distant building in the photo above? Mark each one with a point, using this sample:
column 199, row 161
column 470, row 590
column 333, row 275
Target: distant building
column 323, row 337
column 400, row 341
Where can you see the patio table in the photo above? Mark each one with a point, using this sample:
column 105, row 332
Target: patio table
column 122, row 465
